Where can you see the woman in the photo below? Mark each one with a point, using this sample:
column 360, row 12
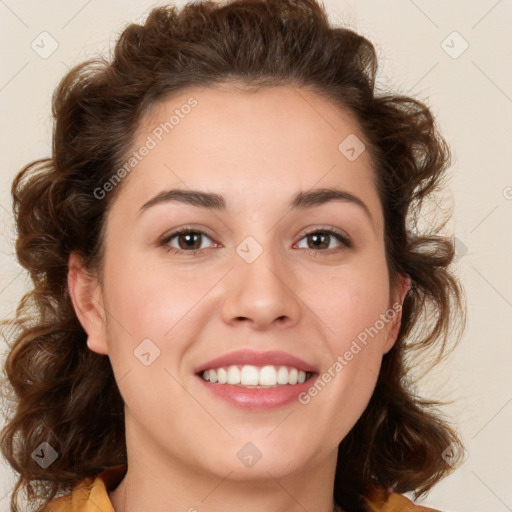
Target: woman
column 228, row 276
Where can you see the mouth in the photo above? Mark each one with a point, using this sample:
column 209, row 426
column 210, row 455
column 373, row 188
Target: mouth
column 256, row 380
column 256, row 377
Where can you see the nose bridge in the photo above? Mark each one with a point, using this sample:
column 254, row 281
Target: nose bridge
column 261, row 285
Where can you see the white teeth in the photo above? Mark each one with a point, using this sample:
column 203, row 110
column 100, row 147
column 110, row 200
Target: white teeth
column 249, row 375
column 222, row 376
column 268, row 376
column 233, row 375
column 282, row 375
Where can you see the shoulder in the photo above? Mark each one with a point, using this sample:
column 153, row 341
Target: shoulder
column 90, row 494
column 380, row 500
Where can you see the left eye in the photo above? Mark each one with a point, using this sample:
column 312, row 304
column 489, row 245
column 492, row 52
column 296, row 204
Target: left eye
column 323, row 239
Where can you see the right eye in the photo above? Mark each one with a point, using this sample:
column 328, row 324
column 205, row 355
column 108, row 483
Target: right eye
column 185, row 240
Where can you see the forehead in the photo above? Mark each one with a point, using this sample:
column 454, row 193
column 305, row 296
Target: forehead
column 273, row 142
column 286, row 118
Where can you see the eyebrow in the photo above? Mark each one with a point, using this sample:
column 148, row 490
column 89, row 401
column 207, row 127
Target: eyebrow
column 301, row 201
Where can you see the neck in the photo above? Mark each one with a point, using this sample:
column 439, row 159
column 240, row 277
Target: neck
column 232, row 497
column 159, row 482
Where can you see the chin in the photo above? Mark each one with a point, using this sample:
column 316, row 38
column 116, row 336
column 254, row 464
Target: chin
column 260, row 458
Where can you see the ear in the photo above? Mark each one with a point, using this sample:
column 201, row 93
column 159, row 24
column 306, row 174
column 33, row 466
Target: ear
column 402, row 286
column 87, row 298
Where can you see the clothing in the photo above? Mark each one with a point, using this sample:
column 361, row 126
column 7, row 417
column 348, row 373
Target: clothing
column 91, row 495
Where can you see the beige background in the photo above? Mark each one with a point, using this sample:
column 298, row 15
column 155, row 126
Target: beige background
column 470, row 92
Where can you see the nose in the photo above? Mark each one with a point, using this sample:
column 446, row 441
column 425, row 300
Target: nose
column 261, row 293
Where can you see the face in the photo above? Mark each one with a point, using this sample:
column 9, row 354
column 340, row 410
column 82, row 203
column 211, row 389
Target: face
column 280, row 264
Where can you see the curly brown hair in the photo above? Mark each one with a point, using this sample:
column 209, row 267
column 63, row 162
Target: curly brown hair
column 64, row 393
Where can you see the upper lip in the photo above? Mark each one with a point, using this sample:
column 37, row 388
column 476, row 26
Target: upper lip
column 243, row 357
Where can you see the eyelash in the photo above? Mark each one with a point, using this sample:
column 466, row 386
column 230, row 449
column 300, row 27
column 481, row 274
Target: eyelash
column 346, row 243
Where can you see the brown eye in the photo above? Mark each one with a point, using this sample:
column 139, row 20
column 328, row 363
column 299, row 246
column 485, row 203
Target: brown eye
column 189, row 241
column 318, row 241
column 325, row 240
column 186, row 241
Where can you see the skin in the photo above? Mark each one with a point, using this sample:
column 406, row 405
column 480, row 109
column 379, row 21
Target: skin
column 257, row 150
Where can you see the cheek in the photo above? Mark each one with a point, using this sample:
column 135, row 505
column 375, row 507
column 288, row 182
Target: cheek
column 146, row 311
column 151, row 300
column 350, row 300
column 352, row 304
column 147, row 302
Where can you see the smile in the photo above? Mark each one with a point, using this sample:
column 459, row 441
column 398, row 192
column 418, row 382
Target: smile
column 255, row 380
column 256, row 377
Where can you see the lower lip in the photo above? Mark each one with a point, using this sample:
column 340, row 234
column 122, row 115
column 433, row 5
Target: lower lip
column 258, row 398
